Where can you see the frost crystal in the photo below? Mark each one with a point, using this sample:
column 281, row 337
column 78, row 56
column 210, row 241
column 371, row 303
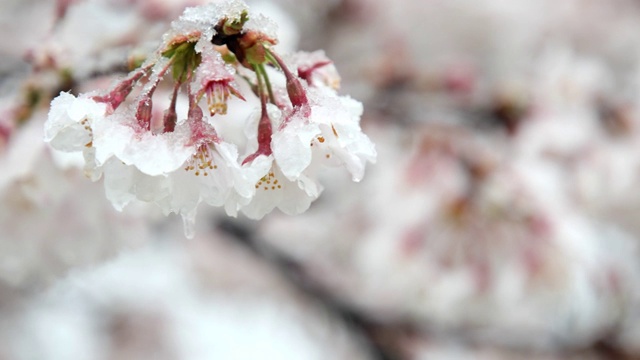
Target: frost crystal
column 219, row 57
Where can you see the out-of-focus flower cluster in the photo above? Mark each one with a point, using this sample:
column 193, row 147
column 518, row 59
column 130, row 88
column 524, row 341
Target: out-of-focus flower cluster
column 502, row 212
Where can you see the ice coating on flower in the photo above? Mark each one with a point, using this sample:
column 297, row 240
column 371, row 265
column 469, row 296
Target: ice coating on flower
column 212, row 13
column 199, row 20
column 244, row 180
column 287, row 33
column 68, row 127
column 263, row 24
column 150, row 153
column 338, row 118
column 120, row 183
column 241, row 178
column 292, row 146
column 149, row 149
column 274, row 190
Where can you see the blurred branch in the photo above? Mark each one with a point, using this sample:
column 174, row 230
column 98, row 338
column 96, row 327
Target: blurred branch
column 364, row 328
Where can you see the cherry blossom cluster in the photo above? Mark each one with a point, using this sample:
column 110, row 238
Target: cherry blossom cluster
column 216, row 60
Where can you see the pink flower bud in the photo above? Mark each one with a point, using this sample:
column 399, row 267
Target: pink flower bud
column 143, row 112
column 116, row 96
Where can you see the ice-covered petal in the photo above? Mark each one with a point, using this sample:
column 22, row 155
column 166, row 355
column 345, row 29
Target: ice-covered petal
column 350, row 146
column 119, row 184
column 152, row 154
column 68, row 126
column 243, row 177
column 275, row 190
column 124, row 183
column 342, row 138
column 292, row 146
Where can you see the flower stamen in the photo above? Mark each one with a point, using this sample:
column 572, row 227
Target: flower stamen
column 202, row 161
column 268, row 182
column 218, row 93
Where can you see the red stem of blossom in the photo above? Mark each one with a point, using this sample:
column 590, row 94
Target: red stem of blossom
column 145, row 105
column 201, row 131
column 264, row 134
column 295, row 90
column 143, row 112
column 170, row 116
column 116, row 96
column 305, row 73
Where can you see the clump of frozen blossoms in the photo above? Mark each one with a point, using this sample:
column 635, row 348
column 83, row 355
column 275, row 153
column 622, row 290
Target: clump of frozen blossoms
column 214, row 59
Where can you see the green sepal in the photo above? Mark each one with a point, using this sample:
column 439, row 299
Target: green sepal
column 229, row 58
column 184, row 60
column 169, row 52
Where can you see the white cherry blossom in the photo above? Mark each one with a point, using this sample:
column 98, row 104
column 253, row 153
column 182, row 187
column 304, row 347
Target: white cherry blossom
column 274, row 190
column 177, row 159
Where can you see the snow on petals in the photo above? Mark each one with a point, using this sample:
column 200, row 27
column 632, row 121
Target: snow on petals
column 150, row 139
column 152, row 154
column 70, row 121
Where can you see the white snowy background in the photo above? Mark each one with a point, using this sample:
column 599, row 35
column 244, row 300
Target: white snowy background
column 501, row 220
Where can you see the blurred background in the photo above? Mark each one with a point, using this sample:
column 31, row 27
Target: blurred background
column 499, row 222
